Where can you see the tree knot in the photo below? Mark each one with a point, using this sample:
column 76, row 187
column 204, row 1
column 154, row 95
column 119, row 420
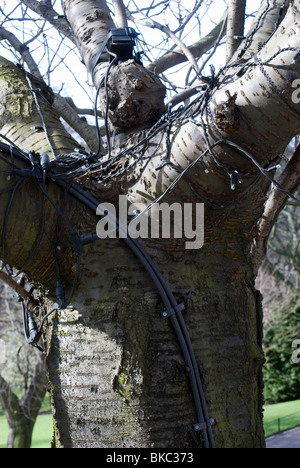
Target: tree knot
column 227, row 114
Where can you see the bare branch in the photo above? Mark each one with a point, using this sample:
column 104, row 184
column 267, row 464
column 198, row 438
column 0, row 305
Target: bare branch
column 183, row 95
column 90, row 30
column 16, row 287
column 265, row 24
column 235, row 26
column 120, row 13
column 173, row 58
column 151, row 23
column 23, row 50
column 290, row 180
column 70, row 115
column 45, row 10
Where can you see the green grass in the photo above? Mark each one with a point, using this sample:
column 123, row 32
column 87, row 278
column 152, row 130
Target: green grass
column 42, row 432
column 3, row 431
column 283, row 411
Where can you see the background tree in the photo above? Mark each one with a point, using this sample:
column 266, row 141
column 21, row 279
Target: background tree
column 278, row 280
column 22, row 372
column 281, row 374
column 115, row 368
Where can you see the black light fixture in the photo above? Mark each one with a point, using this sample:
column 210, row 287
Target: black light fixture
column 120, row 43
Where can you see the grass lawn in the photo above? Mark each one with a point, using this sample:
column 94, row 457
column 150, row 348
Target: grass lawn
column 42, row 432
column 283, row 411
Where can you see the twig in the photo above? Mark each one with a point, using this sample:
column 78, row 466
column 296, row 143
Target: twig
column 290, row 180
column 151, row 23
column 17, row 288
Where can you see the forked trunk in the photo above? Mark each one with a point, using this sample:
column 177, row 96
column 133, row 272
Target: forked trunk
column 117, row 374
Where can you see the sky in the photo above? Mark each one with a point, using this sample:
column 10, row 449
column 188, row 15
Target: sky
column 69, row 75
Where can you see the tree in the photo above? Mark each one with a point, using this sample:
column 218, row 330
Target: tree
column 118, row 378
column 281, row 331
column 21, row 371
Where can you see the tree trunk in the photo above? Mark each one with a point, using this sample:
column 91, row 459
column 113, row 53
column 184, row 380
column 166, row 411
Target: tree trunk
column 117, row 375
column 20, row 425
column 20, row 433
column 21, row 413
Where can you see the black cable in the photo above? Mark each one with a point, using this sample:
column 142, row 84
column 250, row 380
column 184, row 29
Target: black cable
column 199, row 107
column 176, row 318
column 105, row 79
column 115, row 58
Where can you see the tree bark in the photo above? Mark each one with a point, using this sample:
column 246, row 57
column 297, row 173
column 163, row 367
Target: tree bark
column 135, row 392
column 117, row 376
column 235, row 26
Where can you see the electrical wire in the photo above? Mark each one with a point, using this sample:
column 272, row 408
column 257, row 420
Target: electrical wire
column 177, row 319
column 79, row 164
column 33, row 332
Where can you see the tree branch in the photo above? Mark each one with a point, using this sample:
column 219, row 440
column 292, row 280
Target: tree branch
column 33, row 398
column 45, row 10
column 151, row 23
column 23, row 50
column 290, row 180
column 17, row 288
column 235, row 26
column 9, row 401
column 173, row 58
column 90, row 22
column 264, row 25
column 120, row 13
column 80, row 125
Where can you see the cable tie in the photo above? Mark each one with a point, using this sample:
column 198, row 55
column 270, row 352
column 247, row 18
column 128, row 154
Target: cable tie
column 45, row 161
column 60, row 295
column 203, row 426
column 170, row 312
column 238, row 176
column 37, row 127
column 205, row 168
column 241, row 72
column 272, row 168
column 232, row 181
